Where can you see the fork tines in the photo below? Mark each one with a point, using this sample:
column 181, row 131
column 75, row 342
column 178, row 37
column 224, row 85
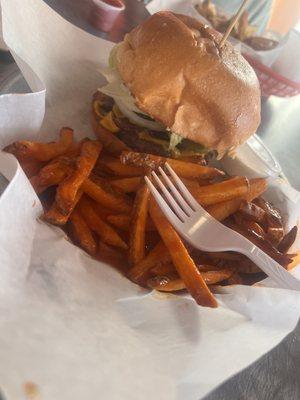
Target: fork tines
column 176, row 196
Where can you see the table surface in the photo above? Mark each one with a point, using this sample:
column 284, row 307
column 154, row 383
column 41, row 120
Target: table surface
column 276, row 375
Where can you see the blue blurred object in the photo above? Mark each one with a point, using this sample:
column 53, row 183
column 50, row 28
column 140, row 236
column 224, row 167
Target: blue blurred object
column 259, row 11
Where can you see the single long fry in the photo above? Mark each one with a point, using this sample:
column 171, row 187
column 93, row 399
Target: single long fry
column 222, row 191
column 82, row 233
column 126, row 185
column 184, row 264
column 96, row 224
column 138, row 226
column 67, row 189
column 25, row 150
column 172, row 284
column 110, row 142
column 157, row 256
column 103, row 194
column 184, row 169
column 123, row 221
column 114, row 167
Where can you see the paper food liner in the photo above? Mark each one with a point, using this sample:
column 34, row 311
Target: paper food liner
column 188, row 7
column 74, row 328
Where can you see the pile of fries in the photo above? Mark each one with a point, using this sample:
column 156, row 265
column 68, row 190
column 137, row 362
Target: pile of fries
column 95, row 190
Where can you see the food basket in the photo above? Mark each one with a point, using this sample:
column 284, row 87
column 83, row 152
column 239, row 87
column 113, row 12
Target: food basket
column 271, row 82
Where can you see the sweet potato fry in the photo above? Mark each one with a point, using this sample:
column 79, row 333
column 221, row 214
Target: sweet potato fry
column 36, row 184
column 275, row 234
column 82, row 233
column 67, row 189
column 52, row 174
column 164, row 269
column 265, row 245
column 182, row 168
column 25, row 150
column 184, row 264
column 269, row 209
column 247, row 266
column 138, row 226
column 114, row 167
column 252, row 212
column 103, row 193
column 224, row 255
column 257, row 187
column 110, row 142
column 273, row 224
column 235, row 279
column 247, row 224
column 31, row 167
column 222, row 191
column 74, row 149
column 54, row 215
column 113, row 256
column 120, row 221
column 192, row 184
column 287, row 241
column 157, row 256
column 166, row 283
column 123, row 222
column 221, row 211
column 126, row 185
column 96, row 224
column 173, row 283
column 103, row 212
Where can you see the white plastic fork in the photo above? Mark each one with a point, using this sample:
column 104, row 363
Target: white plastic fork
column 204, row 232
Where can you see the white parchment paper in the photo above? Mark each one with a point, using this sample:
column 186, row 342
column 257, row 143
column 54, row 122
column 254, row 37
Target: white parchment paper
column 71, row 325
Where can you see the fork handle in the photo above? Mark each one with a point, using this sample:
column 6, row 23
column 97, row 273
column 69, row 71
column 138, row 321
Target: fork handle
column 271, row 267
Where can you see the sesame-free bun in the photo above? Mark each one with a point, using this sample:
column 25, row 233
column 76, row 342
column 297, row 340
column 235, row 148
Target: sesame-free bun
column 178, row 74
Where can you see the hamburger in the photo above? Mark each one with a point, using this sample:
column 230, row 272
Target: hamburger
column 172, row 91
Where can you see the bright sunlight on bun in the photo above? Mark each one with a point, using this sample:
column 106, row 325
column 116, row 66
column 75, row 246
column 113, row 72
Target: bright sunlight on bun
column 178, row 75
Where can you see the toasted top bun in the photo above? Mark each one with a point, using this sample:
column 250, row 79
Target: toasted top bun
column 174, row 68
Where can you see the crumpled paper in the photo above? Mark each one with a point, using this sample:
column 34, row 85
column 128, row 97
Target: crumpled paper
column 74, row 328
